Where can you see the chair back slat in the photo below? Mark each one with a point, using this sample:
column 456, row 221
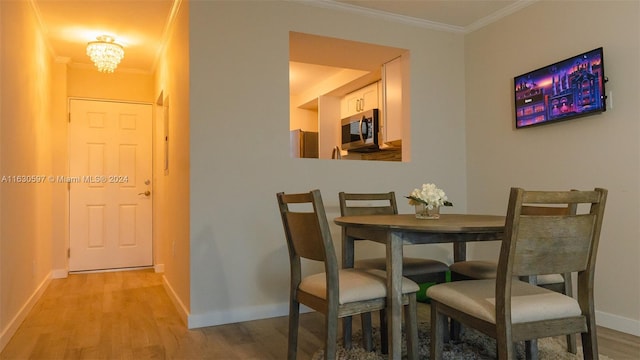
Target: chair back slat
column 354, row 204
column 553, row 244
column 547, row 210
column 306, row 227
column 561, row 197
column 305, row 235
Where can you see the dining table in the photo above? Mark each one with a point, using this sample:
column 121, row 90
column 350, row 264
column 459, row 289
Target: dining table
column 396, row 231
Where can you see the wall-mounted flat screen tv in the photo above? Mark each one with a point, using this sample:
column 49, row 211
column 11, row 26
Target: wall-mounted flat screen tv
column 565, row 90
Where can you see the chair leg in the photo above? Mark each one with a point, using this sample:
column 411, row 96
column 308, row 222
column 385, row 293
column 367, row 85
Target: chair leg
column 367, row 337
column 572, row 347
column 331, row 337
column 454, row 332
column 531, row 349
column 294, row 320
column 505, row 346
column 411, row 323
column 437, row 331
column 590, row 340
column 346, row 331
column 384, row 336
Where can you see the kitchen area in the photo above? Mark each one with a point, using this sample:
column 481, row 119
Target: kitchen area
column 348, row 100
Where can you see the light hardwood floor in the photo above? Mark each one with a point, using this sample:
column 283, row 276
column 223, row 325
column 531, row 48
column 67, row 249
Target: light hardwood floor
column 128, row 315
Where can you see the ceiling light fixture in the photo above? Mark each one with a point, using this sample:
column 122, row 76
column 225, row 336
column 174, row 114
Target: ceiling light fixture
column 105, row 53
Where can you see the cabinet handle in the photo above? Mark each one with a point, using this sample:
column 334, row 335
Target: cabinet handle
column 360, row 104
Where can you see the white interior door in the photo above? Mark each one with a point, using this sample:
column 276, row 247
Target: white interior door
column 110, row 185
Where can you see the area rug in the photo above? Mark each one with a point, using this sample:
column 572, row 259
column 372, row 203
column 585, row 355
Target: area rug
column 472, row 345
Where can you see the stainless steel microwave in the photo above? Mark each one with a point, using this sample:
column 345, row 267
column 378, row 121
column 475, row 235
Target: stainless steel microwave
column 360, row 131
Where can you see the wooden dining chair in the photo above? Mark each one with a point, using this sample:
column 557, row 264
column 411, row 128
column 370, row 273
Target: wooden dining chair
column 336, row 293
column 511, row 310
column 420, row 270
column 562, row 283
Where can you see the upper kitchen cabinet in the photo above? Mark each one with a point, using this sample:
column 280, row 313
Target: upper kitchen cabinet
column 366, row 98
column 392, row 97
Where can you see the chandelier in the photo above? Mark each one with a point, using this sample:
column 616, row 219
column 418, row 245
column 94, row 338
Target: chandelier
column 105, row 53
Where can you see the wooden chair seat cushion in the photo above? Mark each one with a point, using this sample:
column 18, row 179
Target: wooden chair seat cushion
column 355, row 285
column 477, row 298
column 476, row 269
column 410, row 266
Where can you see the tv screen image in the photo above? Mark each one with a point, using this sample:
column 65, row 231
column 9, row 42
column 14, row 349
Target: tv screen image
column 564, row 90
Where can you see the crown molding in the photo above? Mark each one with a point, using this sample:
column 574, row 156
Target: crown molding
column 502, row 13
column 166, row 32
column 330, row 4
column 42, row 27
column 413, row 21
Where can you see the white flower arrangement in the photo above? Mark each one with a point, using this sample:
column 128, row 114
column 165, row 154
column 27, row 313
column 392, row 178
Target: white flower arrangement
column 430, row 195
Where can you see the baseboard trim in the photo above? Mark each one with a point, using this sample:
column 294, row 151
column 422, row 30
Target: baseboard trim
column 618, row 323
column 182, row 310
column 214, row 318
column 159, row 268
column 59, row 274
column 8, row 332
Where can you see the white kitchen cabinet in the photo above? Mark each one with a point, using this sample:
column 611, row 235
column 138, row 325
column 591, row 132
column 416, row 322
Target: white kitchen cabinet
column 392, row 114
column 360, row 100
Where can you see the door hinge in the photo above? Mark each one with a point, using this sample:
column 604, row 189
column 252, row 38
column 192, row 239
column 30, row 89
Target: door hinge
column 69, row 253
column 69, row 117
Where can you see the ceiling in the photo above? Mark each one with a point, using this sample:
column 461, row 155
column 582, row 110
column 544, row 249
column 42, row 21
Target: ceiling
column 141, row 25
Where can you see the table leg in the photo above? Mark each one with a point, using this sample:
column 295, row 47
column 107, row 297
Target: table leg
column 347, row 262
column 394, row 295
column 459, row 251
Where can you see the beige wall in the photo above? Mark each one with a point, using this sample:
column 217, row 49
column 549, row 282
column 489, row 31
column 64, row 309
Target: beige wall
column 240, row 145
column 171, row 203
column 86, row 82
column 25, row 146
column 595, row 151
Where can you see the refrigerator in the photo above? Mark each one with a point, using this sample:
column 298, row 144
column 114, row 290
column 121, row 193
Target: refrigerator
column 303, row 144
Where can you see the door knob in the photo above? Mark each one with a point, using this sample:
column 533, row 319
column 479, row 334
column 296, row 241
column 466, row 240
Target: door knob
column 146, row 193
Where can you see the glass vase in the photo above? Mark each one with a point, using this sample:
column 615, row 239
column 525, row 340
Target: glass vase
column 423, row 212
